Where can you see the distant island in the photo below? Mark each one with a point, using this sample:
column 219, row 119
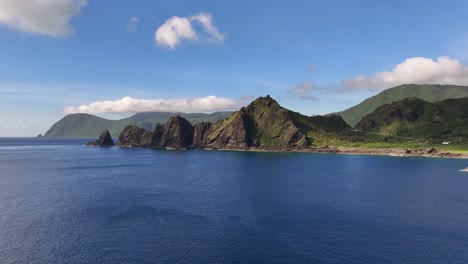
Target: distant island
column 88, row 126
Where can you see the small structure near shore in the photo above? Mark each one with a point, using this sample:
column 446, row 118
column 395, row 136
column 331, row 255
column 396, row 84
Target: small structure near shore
column 105, row 140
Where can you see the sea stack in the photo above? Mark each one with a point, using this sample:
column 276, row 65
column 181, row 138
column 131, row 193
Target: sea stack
column 105, row 140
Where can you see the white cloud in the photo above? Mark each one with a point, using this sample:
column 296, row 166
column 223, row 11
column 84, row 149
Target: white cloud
column 303, row 91
column 133, row 105
column 177, row 29
column 417, row 70
column 132, row 24
column 206, row 20
column 44, row 17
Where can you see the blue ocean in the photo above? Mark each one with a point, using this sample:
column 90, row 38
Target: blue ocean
column 62, row 202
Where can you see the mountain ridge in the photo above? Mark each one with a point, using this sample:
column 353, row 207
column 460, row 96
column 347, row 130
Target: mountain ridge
column 426, row 92
column 446, row 120
column 86, row 125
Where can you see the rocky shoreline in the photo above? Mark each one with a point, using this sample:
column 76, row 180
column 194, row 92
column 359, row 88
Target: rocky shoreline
column 392, row 152
column 396, row 152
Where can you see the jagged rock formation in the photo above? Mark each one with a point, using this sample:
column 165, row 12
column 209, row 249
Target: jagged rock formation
column 176, row 133
column 105, row 140
column 200, row 133
column 131, row 136
column 262, row 124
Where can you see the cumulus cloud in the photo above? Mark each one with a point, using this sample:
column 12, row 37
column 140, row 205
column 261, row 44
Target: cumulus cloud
column 303, row 91
column 44, row 17
column 132, row 24
column 133, row 105
column 417, row 70
column 206, row 21
column 177, row 29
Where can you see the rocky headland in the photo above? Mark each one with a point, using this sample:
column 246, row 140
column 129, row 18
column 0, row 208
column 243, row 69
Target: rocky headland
column 263, row 125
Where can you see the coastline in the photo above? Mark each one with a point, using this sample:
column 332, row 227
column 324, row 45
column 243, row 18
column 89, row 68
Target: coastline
column 398, row 152
column 391, row 152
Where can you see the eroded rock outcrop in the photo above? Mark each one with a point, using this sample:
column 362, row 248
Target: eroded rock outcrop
column 230, row 133
column 262, row 124
column 105, row 140
column 200, row 133
column 131, row 136
column 176, row 133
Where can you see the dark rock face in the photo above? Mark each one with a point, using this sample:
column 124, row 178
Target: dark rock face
column 105, row 140
column 131, row 136
column 176, row 133
column 230, row 133
column 200, row 133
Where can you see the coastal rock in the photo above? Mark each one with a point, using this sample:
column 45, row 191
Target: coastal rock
column 105, row 140
column 200, row 132
column 131, row 136
column 431, row 151
column 176, row 133
column 262, row 124
column 275, row 125
column 231, row 133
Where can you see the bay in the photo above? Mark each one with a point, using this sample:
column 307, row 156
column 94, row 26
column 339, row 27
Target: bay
column 62, row 202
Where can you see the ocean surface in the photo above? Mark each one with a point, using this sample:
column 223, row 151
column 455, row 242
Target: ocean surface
column 62, row 202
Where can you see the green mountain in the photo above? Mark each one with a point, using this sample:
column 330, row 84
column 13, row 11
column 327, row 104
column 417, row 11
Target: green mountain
column 429, row 93
column 85, row 125
column 262, row 124
column 446, row 120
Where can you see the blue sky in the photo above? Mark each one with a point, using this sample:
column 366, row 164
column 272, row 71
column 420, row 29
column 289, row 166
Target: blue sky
column 107, row 58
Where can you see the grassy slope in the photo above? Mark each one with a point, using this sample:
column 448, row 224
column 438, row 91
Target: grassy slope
column 429, row 93
column 426, row 123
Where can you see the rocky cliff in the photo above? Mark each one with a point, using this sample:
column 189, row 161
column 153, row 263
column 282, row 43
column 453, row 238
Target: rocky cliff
column 176, row 133
column 262, row 124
